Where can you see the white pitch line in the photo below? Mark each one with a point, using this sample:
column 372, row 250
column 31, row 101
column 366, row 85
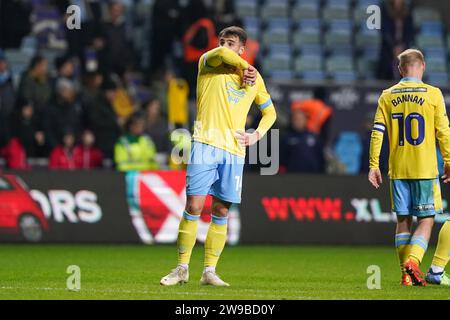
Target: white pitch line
column 128, row 291
column 159, row 292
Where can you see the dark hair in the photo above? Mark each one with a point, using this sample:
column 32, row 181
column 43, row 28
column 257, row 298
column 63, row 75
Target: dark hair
column 66, row 132
column 135, row 117
column 150, row 99
column 22, row 102
column 234, row 31
column 112, row 3
column 320, row 93
column 61, row 61
column 108, row 84
column 37, row 59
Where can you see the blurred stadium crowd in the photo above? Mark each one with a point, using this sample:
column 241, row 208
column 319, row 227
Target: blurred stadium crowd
column 109, row 95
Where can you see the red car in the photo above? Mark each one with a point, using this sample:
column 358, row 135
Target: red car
column 19, row 213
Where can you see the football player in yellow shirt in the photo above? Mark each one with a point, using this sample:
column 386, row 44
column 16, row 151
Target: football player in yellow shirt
column 226, row 88
column 413, row 115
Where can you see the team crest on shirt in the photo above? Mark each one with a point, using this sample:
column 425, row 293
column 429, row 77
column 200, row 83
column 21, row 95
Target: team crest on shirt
column 235, row 92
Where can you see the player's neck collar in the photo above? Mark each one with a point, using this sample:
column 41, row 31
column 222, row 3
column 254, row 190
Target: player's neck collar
column 411, row 79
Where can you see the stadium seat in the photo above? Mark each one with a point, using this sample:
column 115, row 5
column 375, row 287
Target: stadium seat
column 370, row 40
column 282, row 23
column 338, row 63
column 280, row 50
column 253, row 33
column 435, row 53
column 309, row 25
column 425, row 14
column 361, row 26
column 17, row 56
column 331, row 13
column 340, row 68
column 247, row 8
column 308, row 63
column 304, row 10
column 432, row 28
column 334, row 40
column 309, row 67
column 437, row 79
column 143, row 8
column 370, row 54
column 272, row 63
column 360, row 14
column 282, row 75
column 344, row 76
column 18, row 61
column 436, row 66
column 271, row 9
column 301, row 39
column 29, row 45
column 366, row 3
column 311, row 50
column 428, row 41
column 277, row 31
column 348, row 149
column 274, row 36
column 344, row 4
column 342, row 26
column 253, row 26
column 341, row 51
column 251, row 22
column 366, row 68
column 313, row 75
column 307, row 3
column 277, row 58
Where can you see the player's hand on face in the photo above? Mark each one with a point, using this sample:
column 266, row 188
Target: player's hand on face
column 446, row 176
column 375, row 177
column 246, row 139
column 249, row 76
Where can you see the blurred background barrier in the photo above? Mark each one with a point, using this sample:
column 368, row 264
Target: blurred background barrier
column 316, row 209
column 81, row 206
column 110, row 207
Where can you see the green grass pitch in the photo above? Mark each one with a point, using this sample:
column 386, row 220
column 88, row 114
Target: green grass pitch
column 254, row 272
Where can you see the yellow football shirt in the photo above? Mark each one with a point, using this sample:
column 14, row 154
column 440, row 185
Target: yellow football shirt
column 223, row 104
column 414, row 116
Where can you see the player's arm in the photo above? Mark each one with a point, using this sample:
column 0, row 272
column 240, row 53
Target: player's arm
column 376, row 142
column 269, row 116
column 443, row 134
column 216, row 57
column 268, row 112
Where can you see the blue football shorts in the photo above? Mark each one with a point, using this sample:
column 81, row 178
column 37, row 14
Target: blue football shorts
column 214, row 171
column 416, row 197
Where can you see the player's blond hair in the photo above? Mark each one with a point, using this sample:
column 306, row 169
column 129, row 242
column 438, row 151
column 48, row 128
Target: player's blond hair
column 410, row 57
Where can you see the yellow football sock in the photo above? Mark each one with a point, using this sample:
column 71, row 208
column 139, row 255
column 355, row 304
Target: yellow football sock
column 215, row 240
column 441, row 256
column 187, row 234
column 418, row 246
column 402, row 245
